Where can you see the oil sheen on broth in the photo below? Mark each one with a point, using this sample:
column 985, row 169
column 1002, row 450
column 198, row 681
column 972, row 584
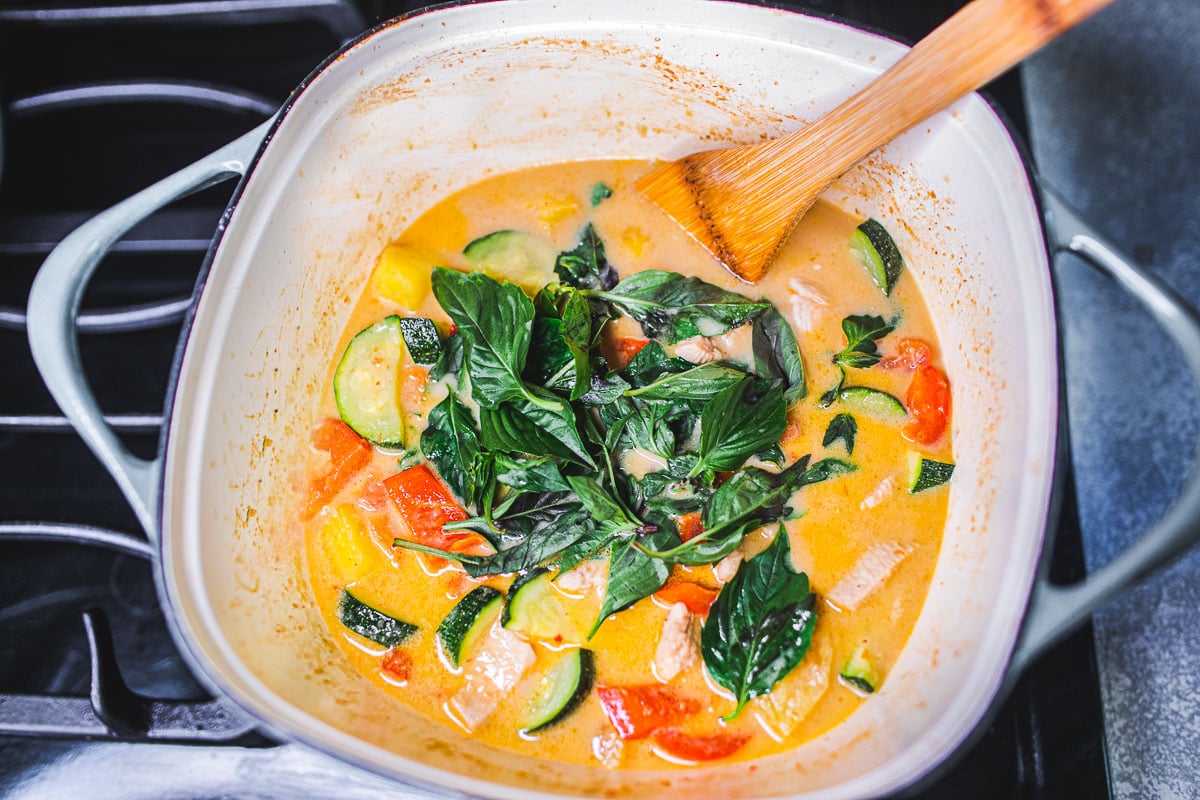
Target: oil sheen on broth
column 867, row 543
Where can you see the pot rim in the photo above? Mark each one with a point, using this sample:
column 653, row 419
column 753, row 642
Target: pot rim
column 348, row 748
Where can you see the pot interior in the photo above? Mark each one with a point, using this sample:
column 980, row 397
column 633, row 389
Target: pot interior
column 427, row 106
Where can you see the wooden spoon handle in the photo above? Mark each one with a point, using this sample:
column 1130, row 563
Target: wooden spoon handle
column 975, row 45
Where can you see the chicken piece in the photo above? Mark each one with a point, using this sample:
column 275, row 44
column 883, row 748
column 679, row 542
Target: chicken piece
column 679, row 644
column 491, row 674
column 879, row 493
column 794, row 697
column 808, row 305
column 699, row 350
column 608, row 747
column 589, row 575
column 727, row 567
column 868, row 575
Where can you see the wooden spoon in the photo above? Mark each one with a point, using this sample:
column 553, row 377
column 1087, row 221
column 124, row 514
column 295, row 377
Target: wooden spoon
column 742, row 202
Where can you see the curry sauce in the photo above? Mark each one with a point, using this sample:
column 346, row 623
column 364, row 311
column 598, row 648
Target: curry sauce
column 867, row 544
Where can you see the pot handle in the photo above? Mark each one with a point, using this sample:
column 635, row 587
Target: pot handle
column 1054, row 611
column 54, row 305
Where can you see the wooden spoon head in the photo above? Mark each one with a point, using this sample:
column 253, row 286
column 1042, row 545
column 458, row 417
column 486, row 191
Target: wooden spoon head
column 720, row 198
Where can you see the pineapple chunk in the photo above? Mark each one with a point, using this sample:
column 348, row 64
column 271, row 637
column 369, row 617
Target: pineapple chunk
column 556, row 208
column 348, row 543
column 402, row 275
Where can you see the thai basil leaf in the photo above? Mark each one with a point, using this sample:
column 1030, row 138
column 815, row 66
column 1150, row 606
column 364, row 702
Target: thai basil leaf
column 633, row 575
column 737, row 423
column 611, row 518
column 450, row 361
column 547, row 428
column 675, row 474
column 495, row 321
column 844, row 427
column 605, row 388
column 591, row 546
column 600, row 193
column 450, row 443
column 530, row 474
column 555, row 361
column 697, row 383
column 526, row 539
column 862, row 335
column 673, row 307
column 771, row 455
column 760, row 626
column 645, row 428
column 586, row 266
column 651, row 363
column 777, row 353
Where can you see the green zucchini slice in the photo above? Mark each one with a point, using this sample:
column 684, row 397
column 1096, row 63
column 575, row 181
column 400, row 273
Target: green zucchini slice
column 874, row 248
column 422, row 340
column 860, row 673
column 469, row 621
column 371, row 623
column 523, row 258
column 534, row 607
column 366, row 383
column 925, row 473
column 872, row 401
column 561, row 690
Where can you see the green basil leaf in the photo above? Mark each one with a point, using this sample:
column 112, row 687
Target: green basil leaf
column 645, row 428
column 530, row 474
column 611, row 518
column 863, row 331
column 651, row 363
column 771, row 455
column 737, row 423
column 605, row 388
column 844, row 427
column 760, row 626
column 777, row 353
column 586, row 266
column 547, row 428
column 697, row 383
column 600, row 193
column 556, row 362
column 450, row 361
column 496, row 321
column 673, row 307
column 450, row 443
column 633, row 575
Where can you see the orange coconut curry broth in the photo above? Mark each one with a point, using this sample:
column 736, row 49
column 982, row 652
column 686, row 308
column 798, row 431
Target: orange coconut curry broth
column 578, row 491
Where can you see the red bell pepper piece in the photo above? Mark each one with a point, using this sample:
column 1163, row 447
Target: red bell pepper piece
column 623, row 351
column 426, row 505
column 697, row 598
column 348, row 453
column 686, row 747
column 397, row 664
column 638, row 711
column 690, row 525
column 928, row 403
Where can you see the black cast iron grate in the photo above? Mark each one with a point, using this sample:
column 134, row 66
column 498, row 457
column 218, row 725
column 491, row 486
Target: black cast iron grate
column 100, row 99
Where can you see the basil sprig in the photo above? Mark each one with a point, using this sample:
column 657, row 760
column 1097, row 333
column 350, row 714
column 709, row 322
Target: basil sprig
column 760, row 625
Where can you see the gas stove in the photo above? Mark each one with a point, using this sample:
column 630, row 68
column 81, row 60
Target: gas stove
column 97, row 101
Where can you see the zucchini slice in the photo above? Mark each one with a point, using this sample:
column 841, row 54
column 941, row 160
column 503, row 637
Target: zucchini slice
column 468, row 621
column 422, row 340
column 371, row 623
column 523, row 258
column 860, row 673
column 561, row 690
column 366, row 383
column 872, row 401
column 925, row 473
column 534, row 607
column 873, row 247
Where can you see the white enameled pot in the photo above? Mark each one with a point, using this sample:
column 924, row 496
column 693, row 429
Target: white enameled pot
column 426, row 105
